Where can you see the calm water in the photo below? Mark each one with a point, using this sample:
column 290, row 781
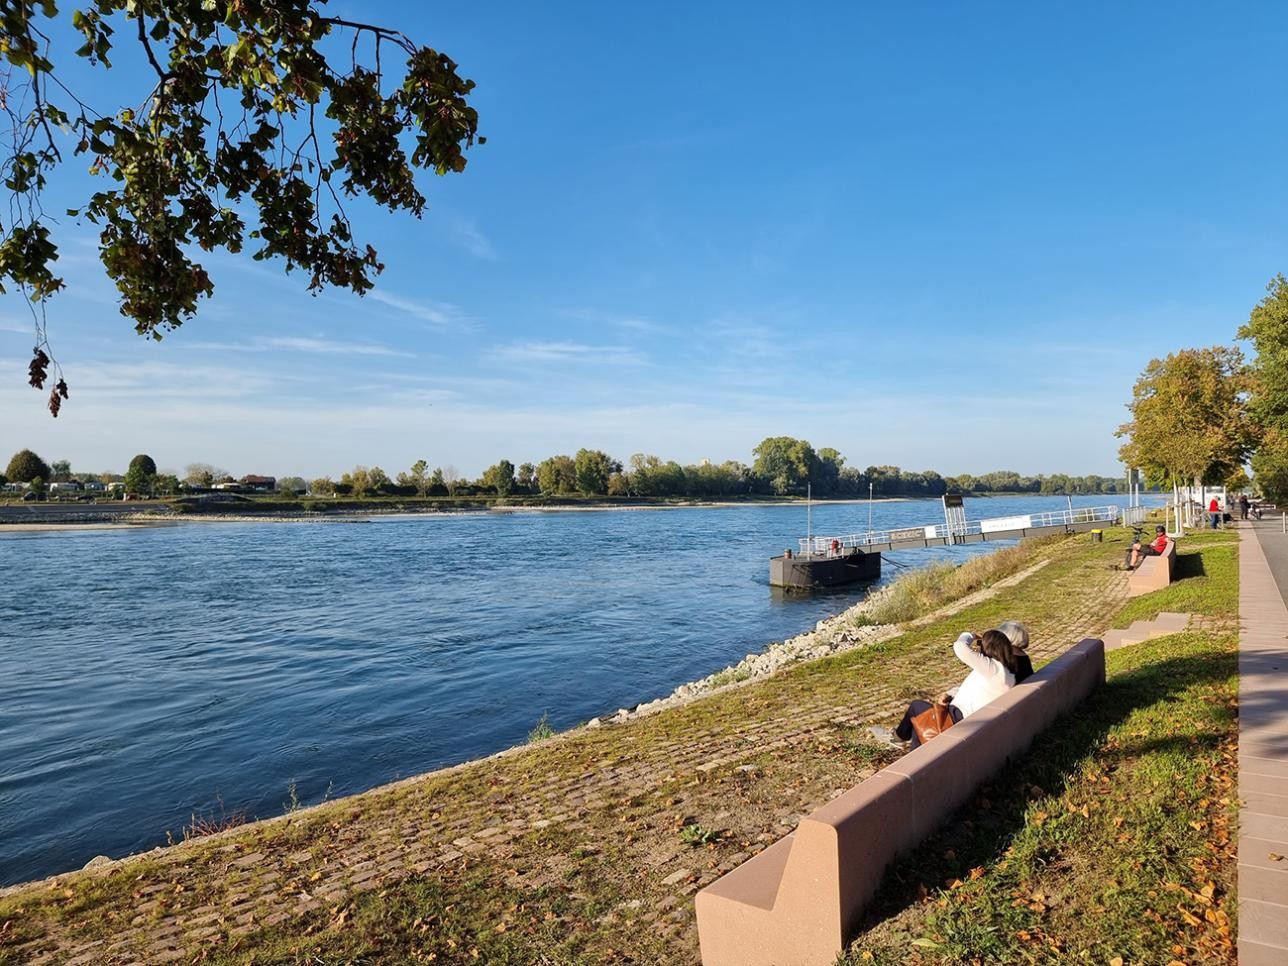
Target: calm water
column 149, row 674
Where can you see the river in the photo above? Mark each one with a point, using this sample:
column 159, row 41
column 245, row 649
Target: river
column 154, row 673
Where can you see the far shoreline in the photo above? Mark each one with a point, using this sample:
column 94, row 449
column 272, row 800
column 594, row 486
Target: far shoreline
column 46, row 517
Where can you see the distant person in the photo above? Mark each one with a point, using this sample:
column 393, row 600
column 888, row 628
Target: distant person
column 1243, row 506
column 1133, row 557
column 992, row 663
column 1214, row 513
column 1018, row 635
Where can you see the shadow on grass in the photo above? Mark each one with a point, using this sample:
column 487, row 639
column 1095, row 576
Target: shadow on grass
column 1189, row 565
column 985, row 827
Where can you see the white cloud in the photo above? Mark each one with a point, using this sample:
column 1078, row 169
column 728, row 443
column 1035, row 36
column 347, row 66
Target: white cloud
column 465, row 234
column 568, row 352
column 442, row 315
column 302, row 344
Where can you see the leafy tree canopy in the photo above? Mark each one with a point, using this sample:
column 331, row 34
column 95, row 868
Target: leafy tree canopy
column 499, row 477
column 592, row 468
column 26, row 466
column 257, row 124
column 144, row 464
column 1190, row 417
column 787, row 462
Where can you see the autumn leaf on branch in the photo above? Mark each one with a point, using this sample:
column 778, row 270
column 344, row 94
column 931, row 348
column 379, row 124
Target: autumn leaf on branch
column 259, row 121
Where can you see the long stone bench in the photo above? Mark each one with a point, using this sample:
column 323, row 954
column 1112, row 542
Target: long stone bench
column 798, row 901
column 1153, row 573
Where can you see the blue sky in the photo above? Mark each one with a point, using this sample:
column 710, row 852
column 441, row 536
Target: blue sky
column 943, row 235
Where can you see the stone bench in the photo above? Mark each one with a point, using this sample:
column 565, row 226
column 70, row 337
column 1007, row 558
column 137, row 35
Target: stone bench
column 1153, row 573
column 798, row 901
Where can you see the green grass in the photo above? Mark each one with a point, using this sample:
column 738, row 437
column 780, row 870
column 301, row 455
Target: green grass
column 918, row 592
column 1112, row 836
column 543, row 729
column 1205, row 581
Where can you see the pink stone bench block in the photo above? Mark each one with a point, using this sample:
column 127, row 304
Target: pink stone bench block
column 797, row 902
column 1153, row 573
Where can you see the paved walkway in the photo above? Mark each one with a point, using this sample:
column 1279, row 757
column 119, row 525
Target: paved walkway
column 1263, row 744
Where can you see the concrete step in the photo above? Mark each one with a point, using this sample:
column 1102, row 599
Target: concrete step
column 1166, row 623
column 1171, row 623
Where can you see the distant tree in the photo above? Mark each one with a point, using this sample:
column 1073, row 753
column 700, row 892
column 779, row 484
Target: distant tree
column 322, row 486
column 643, row 474
column 527, row 478
column 3, row 479
column 827, row 475
column 202, row 474
column 499, row 477
column 787, row 463
column 619, row 484
column 557, row 475
column 37, row 486
column 25, row 466
column 451, row 479
column 138, row 481
column 292, row 484
column 377, row 479
column 145, row 464
column 357, row 480
column 1189, row 422
column 60, row 471
column 165, row 484
column 592, row 468
column 437, row 484
column 417, row 478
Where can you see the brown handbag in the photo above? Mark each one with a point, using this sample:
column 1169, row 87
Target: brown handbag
column 932, row 721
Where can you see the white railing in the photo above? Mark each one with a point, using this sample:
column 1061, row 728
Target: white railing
column 1134, row 514
column 823, row 546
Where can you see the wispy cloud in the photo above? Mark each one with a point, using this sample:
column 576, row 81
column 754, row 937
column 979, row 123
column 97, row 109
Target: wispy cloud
column 568, row 352
column 467, row 235
column 442, row 315
column 303, row 344
column 97, row 380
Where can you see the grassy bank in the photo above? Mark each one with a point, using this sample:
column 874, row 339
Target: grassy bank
column 1112, row 840
column 587, row 848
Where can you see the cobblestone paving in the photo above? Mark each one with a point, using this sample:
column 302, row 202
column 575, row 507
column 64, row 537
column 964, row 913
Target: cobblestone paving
column 525, row 826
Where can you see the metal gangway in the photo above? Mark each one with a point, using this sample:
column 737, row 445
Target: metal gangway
column 957, row 529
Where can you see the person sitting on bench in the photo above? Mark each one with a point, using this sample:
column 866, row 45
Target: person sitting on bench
column 1018, row 634
column 1133, row 557
column 992, row 662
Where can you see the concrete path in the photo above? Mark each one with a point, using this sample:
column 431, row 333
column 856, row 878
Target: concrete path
column 1263, row 743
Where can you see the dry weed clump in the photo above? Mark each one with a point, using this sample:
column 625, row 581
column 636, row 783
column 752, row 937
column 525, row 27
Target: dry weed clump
column 918, row 592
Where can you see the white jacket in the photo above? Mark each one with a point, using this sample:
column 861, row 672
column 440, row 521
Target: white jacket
column 988, row 679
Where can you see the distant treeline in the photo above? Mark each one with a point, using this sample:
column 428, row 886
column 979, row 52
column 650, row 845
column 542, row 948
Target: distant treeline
column 782, row 466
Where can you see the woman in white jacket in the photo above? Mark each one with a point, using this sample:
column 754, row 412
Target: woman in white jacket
column 991, row 660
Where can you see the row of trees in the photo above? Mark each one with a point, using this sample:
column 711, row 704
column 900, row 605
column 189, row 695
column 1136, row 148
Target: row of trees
column 783, row 466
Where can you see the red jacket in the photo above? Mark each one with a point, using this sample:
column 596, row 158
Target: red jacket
column 1214, row 507
column 1160, row 542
